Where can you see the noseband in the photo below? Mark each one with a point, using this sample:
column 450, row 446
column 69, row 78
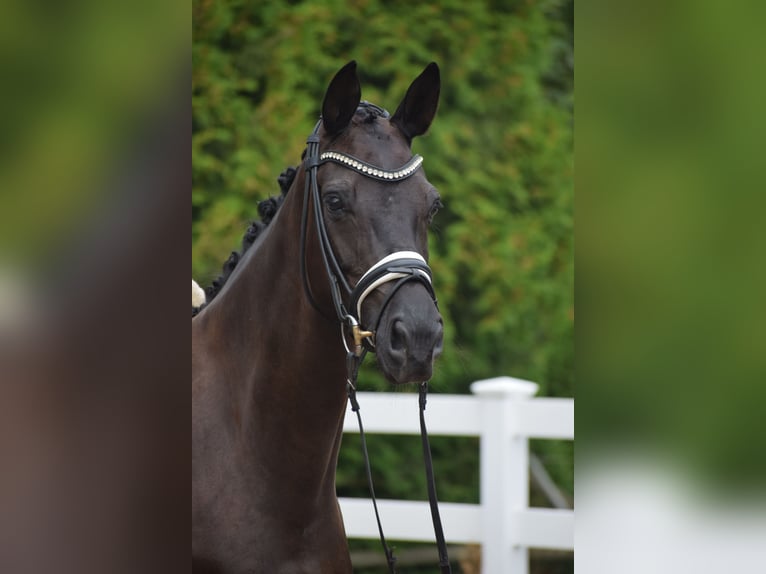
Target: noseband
column 402, row 267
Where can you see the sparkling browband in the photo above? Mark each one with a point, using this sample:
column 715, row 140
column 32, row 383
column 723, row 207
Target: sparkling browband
column 372, row 171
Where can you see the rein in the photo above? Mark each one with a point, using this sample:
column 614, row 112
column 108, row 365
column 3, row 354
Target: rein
column 401, row 267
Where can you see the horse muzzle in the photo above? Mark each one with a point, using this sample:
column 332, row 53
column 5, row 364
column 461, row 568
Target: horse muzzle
column 410, row 336
column 409, row 331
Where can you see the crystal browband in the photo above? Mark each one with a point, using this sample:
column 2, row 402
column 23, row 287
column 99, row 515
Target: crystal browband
column 372, row 171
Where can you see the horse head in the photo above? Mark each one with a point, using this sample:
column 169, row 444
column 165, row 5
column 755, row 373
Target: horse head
column 376, row 205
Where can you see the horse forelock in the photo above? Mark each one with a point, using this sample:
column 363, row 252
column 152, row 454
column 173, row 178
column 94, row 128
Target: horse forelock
column 367, row 113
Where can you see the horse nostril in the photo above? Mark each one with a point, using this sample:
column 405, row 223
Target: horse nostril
column 439, row 345
column 398, row 336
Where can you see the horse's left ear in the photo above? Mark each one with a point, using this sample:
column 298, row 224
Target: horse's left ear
column 418, row 108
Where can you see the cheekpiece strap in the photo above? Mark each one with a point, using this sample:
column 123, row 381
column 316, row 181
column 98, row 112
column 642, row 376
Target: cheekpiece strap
column 370, row 170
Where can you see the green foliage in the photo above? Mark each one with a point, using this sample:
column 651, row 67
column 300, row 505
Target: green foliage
column 500, row 152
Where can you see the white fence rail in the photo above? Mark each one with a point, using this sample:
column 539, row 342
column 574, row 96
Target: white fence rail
column 505, row 415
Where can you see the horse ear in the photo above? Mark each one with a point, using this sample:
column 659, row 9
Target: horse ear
column 418, row 108
column 341, row 99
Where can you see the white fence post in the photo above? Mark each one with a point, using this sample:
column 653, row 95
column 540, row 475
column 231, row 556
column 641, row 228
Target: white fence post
column 504, row 474
column 504, row 414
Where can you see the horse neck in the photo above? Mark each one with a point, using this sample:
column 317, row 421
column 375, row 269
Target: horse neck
column 285, row 361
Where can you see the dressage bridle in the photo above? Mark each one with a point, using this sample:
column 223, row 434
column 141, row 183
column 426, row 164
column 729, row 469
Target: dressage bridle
column 400, row 268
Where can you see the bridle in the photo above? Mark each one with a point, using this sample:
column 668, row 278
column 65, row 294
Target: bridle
column 400, row 267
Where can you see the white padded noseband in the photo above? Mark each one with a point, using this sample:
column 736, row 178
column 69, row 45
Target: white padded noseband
column 390, row 276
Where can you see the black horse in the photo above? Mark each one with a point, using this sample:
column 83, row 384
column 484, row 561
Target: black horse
column 269, row 367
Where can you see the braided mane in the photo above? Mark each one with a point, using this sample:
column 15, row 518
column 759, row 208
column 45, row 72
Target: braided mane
column 267, row 209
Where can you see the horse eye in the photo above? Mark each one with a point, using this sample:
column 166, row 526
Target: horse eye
column 334, row 203
column 437, row 205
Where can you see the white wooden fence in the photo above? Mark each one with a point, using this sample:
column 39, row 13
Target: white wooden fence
column 504, row 414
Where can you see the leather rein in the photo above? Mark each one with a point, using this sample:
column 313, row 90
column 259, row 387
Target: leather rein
column 400, row 267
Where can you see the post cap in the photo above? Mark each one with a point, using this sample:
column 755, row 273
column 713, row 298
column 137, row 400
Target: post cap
column 505, row 386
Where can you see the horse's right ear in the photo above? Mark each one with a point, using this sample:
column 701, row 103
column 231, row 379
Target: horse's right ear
column 341, row 99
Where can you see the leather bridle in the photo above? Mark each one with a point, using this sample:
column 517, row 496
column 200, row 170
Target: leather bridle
column 400, row 267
